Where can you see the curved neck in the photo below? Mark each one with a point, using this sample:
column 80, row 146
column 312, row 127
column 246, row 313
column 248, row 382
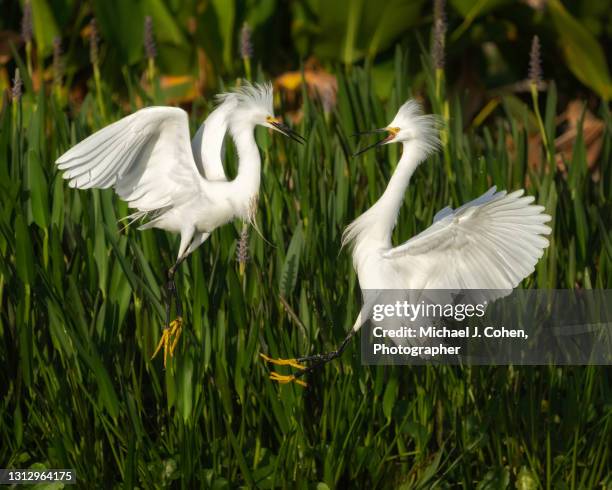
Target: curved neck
column 386, row 209
column 249, row 160
column 207, row 144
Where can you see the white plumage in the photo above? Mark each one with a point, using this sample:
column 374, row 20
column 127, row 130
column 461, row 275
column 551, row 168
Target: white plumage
column 151, row 163
column 489, row 244
column 176, row 184
column 146, row 157
column 492, row 242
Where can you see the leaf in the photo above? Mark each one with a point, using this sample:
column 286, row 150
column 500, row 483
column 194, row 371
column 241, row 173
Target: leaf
column 107, row 393
column 185, row 389
column 260, row 12
column 495, row 479
column 292, row 262
column 100, row 252
column 244, row 467
column 526, row 480
column 473, row 9
column 389, row 397
column 226, row 13
column 23, row 251
column 122, row 26
column 18, row 424
column 165, row 27
column 584, row 55
column 36, row 183
column 57, row 208
column 48, row 486
column 348, row 30
column 394, row 19
column 45, row 26
column 432, row 469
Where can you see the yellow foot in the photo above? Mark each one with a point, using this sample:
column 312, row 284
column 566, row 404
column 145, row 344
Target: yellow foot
column 280, row 378
column 284, row 379
column 176, row 329
column 283, row 362
column 169, row 339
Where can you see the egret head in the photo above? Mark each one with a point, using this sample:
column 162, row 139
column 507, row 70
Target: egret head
column 409, row 125
column 254, row 107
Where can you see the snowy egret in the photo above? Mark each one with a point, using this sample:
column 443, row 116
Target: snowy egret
column 149, row 161
column 492, row 242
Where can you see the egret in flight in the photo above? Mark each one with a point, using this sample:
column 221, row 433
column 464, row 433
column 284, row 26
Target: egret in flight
column 492, row 242
column 148, row 159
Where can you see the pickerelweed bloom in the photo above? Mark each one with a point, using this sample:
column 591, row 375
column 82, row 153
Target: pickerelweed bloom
column 535, row 63
column 58, row 62
column 27, row 33
column 17, row 89
column 439, row 35
column 149, row 39
column 242, row 251
column 535, row 83
column 246, row 43
column 93, row 42
column 26, row 22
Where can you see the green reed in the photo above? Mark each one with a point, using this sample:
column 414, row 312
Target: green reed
column 81, row 313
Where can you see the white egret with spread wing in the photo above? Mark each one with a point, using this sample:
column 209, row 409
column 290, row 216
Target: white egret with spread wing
column 148, row 159
column 492, row 242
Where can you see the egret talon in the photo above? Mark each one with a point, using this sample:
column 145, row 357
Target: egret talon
column 285, row 379
column 283, row 362
column 169, row 339
column 149, row 157
column 163, row 342
column 176, row 330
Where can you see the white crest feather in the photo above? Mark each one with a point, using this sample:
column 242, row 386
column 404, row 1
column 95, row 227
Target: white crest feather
column 258, row 95
column 421, row 131
column 423, row 128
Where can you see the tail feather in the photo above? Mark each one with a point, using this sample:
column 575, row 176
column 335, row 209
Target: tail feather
column 152, row 215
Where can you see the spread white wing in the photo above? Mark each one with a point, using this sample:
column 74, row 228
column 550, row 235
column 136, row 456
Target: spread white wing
column 146, row 157
column 492, row 242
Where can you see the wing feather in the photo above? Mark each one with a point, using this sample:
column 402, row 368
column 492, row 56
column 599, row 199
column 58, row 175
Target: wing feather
column 492, row 242
column 146, row 157
column 96, row 171
column 108, row 174
column 86, row 148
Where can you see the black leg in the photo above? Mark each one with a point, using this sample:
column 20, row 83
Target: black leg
column 177, row 299
column 172, row 291
column 172, row 330
column 317, row 360
column 320, row 360
column 169, row 296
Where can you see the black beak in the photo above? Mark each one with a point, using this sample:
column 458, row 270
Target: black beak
column 287, row 131
column 389, row 137
column 370, row 131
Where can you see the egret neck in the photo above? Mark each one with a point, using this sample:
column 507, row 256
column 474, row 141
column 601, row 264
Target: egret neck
column 246, row 183
column 207, row 143
column 389, row 204
column 373, row 228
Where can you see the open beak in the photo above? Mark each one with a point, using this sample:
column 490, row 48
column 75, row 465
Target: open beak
column 390, row 132
column 286, row 130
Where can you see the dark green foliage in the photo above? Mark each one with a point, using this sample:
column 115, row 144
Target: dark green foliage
column 81, row 314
